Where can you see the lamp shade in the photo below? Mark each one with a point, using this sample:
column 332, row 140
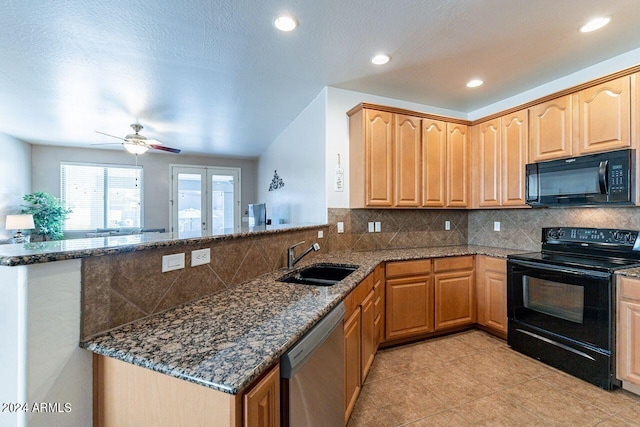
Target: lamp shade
column 135, row 148
column 20, row 222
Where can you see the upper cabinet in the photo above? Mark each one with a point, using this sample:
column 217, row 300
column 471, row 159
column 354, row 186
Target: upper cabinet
column 434, row 163
column 457, row 165
column 405, row 161
column 500, row 156
column 550, row 130
column 603, row 117
column 408, row 147
column 589, row 121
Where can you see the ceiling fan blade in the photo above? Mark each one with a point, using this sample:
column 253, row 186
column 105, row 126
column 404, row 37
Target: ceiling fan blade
column 108, row 143
column 154, row 141
column 163, row 148
column 112, row 136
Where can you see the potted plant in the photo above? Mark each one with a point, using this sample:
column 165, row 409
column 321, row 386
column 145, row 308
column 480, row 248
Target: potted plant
column 48, row 214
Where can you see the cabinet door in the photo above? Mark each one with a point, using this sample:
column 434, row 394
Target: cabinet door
column 514, row 138
column 491, row 285
column 550, row 130
column 434, row 161
column 628, row 358
column 379, row 304
column 408, row 156
column 262, row 402
column 409, row 307
column 455, row 303
column 351, row 362
column 379, row 158
column 604, row 117
column 368, row 335
column 488, row 163
column 457, row 165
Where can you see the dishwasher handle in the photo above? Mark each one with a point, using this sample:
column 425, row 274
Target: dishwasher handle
column 294, row 359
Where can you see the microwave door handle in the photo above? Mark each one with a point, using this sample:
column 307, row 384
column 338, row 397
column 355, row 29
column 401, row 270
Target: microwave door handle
column 602, row 177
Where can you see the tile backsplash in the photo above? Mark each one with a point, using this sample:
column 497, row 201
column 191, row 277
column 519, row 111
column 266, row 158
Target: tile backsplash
column 410, row 228
column 521, row 228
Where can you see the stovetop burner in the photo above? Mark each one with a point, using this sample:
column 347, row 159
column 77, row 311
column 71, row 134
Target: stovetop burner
column 588, row 248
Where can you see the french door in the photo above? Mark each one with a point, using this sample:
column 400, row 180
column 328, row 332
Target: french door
column 205, row 201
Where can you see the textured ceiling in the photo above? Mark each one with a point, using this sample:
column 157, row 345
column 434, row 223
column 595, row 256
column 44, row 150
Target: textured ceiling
column 215, row 77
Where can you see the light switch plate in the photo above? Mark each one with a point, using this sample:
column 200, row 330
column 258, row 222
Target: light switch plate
column 200, row 257
column 447, row 225
column 496, row 226
column 371, row 227
column 320, row 234
column 172, row 262
column 340, row 227
column 378, row 227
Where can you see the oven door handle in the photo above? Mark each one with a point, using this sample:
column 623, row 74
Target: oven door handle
column 562, row 270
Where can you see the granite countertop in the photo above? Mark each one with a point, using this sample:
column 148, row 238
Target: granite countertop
column 226, row 340
column 630, row 272
column 58, row 250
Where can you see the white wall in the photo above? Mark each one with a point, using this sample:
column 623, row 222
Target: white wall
column 157, row 180
column 298, row 156
column 15, row 178
column 615, row 64
column 339, row 101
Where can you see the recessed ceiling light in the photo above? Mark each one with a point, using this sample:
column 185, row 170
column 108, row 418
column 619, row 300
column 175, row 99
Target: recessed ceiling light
column 474, row 83
column 381, row 59
column 285, row 23
column 595, row 24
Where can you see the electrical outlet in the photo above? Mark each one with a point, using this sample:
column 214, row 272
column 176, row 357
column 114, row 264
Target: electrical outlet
column 172, row 262
column 320, row 234
column 340, row 227
column 496, row 226
column 447, row 225
column 371, row 227
column 200, row 257
column 378, row 227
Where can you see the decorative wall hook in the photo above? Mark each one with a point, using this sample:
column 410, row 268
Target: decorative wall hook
column 276, row 182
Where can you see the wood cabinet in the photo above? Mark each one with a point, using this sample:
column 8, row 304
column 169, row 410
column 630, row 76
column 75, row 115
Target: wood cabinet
column 262, row 401
column 434, row 162
column 491, row 287
column 352, row 361
column 454, row 287
column 628, row 333
column 550, row 130
column 408, row 161
column 379, row 302
column 126, row 394
column 603, row 117
column 360, row 339
column 499, row 148
column 371, row 158
column 409, row 296
column 457, row 166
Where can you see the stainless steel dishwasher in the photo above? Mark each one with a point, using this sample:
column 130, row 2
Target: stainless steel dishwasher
column 312, row 374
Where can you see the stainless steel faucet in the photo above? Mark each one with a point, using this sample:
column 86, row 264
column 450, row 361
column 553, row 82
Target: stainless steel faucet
column 292, row 260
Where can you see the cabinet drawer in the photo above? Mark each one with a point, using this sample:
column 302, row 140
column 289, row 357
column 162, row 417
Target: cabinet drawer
column 629, row 288
column 499, row 265
column 453, row 263
column 356, row 296
column 408, row 268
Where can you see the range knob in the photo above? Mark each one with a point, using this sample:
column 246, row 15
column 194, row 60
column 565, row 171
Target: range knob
column 554, row 233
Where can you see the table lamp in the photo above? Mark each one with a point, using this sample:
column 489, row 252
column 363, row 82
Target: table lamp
column 19, row 223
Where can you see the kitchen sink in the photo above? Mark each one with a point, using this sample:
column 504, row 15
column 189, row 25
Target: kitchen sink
column 319, row 274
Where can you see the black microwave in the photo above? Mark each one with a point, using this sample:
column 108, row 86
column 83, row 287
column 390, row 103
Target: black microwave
column 596, row 179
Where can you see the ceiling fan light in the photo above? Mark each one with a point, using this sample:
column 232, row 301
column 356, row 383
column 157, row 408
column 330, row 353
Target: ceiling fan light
column 135, row 148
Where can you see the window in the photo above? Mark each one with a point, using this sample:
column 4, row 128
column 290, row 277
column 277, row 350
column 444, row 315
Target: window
column 101, row 196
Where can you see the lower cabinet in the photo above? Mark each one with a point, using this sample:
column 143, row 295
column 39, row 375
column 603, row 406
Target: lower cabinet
column 409, row 296
column 628, row 333
column 491, row 286
column 360, row 339
column 454, row 284
column 262, row 402
column 379, row 303
column 125, row 394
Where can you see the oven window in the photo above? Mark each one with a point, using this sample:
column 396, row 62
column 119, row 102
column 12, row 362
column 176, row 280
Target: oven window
column 555, row 299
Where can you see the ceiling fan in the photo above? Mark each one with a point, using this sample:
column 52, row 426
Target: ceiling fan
column 135, row 143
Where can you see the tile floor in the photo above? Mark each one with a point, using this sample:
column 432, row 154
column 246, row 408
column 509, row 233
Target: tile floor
column 472, row 378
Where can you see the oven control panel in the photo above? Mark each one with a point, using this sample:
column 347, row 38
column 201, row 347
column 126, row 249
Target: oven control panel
column 589, row 235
